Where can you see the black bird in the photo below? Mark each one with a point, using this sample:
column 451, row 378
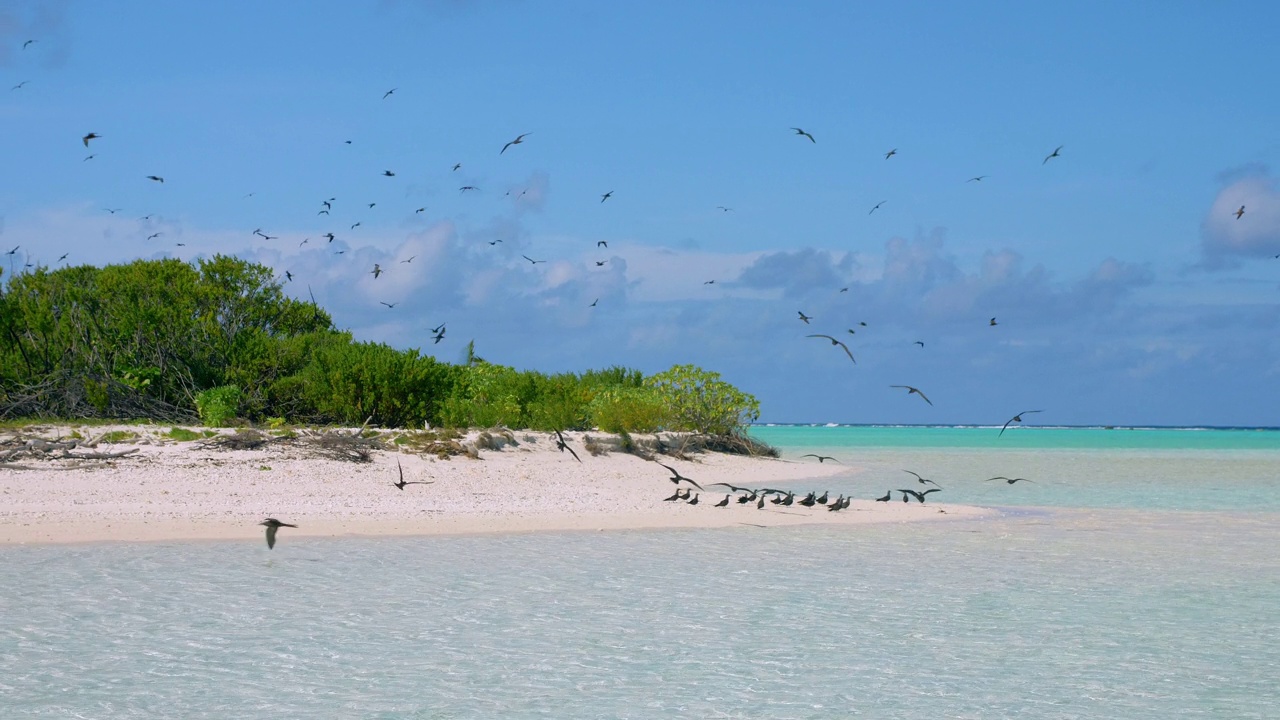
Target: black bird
column 439, row 328
column 602, row 243
column 64, row 257
column 519, row 139
column 495, row 242
column 917, row 495
column 411, row 257
column 400, row 485
column 821, row 458
column 273, row 525
column 1017, row 419
column 154, row 235
column 1239, row 212
column 724, row 502
column 838, row 505
column 19, row 85
column 438, row 336
column 722, row 208
column 376, row 271
column 1052, row 155
column 14, row 251
column 1007, row 480
column 822, row 499
column 887, row 497
column 743, row 500
column 156, row 178
column 694, row 501
column 356, row 225
column 978, row 178
column 877, row 207
column 809, row 500
column 456, row 166
column 920, row 343
column 535, row 262
column 25, row 44
column 600, row 263
column 326, row 204
column 288, row 276
column 805, row 318
column 833, row 342
column 90, row 136
column 916, row 391
column 676, row 477
column 388, row 173
column 465, row 188
column 419, row 210
column 561, row 445
column 790, row 498
column 993, row 322
column 922, row 480
column 675, row 496
column 390, row 305
column 760, row 505
column 891, row 153
column 801, row 132
column 606, row 196
column 709, row 282
column 389, row 93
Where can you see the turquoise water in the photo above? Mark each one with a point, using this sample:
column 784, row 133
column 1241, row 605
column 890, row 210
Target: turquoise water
column 1041, row 611
column 1056, row 438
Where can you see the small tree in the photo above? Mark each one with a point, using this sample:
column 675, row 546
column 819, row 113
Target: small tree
column 699, row 401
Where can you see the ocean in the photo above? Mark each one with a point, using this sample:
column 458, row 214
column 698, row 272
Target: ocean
column 1134, row 576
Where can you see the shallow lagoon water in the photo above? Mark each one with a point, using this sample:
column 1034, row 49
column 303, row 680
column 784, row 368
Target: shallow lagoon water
column 1045, row 612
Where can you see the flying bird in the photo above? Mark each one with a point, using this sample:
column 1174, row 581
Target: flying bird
column 919, row 342
column 288, row 276
column 419, row 210
column 25, row 44
column 356, row 225
column 388, row 173
column 922, row 480
column 978, row 178
column 891, row 153
column 1051, row 155
column 154, row 235
column 562, row 445
column 821, row 458
column 535, row 262
column 89, row 157
column 600, row 263
column 722, row 208
column 390, row 305
column 519, row 139
column 90, row 136
column 411, row 257
column 1017, row 419
column 993, row 322
column 400, row 485
column 64, row 257
column 917, row 495
column 602, row 243
column 273, row 525
column 389, row 93
column 593, row 302
column 836, row 342
column 156, row 178
column 877, row 207
column 676, row 477
column 328, row 235
column 911, row 390
column 456, row 166
column 376, row 271
column 1239, row 212
column 805, row 318
column 495, row 242
column 606, row 196
column 801, row 132
column 465, row 188
column 1007, row 480
column 19, row 85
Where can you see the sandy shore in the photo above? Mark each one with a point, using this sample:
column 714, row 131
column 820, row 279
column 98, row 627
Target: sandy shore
column 170, row 490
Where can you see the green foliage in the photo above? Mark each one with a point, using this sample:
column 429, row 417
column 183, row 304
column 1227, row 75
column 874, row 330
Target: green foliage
column 118, row 436
column 218, row 406
column 699, row 401
column 182, row 434
column 629, row 409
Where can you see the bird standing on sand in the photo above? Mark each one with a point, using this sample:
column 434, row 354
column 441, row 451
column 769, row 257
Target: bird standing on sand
column 272, row 526
column 887, row 497
column 724, row 502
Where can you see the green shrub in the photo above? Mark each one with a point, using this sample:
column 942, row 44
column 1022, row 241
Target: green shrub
column 218, row 406
column 628, row 409
column 118, row 436
column 699, row 401
column 182, row 435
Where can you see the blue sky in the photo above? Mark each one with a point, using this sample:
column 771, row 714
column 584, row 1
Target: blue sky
column 1125, row 289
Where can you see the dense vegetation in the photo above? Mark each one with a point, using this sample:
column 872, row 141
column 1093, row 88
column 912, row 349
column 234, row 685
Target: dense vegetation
column 219, row 340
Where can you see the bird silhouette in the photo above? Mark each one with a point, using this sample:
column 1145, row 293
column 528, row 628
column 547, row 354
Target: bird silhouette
column 19, row 85
column 376, row 271
column 822, row 499
column 801, row 132
column 465, row 188
column 456, row 166
column 724, row 502
column 388, row 173
column 390, row 305
column 887, row 497
column 272, row 526
column 90, row 136
column 156, row 178
column 917, row 494
column 806, row 318
column 602, row 243
column 531, row 260
column 694, row 501
column 877, row 207
column 911, row 390
column 821, row 458
column 1008, row 480
column 891, row 153
column 1017, row 419
column 411, row 257
column 288, row 276
column 835, row 342
column 978, row 178
column 993, row 322
column 1051, row 155
column 606, row 196
column 593, row 302
column 676, row 478
column 922, row 480
column 519, row 139
column 1239, row 212
column 562, row 446
column 919, row 342
column 389, row 93
column 400, row 485
column 154, row 235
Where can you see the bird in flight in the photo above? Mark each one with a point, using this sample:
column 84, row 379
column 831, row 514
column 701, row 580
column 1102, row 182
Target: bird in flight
column 821, row 458
column 388, row 173
column 372, row 205
column 328, row 235
column 1052, row 155
column 14, row 251
column 389, row 93
column 920, row 343
column 1239, row 212
column 877, row 207
column 25, row 44
column 922, row 480
column 400, row 485
column 89, row 157
column 154, row 235
column 535, row 262
column 411, row 257
column 1010, row 481
column 519, row 139
column 64, row 257
column 676, row 477
column 156, row 178
column 977, row 178
column 272, row 526
column 993, row 322
column 19, row 85
column 355, row 225
column 916, row 494
column 113, row 211
column 709, row 282
column 911, row 390
column 801, row 132
column 600, row 263
column 376, row 271
column 837, row 342
column 465, row 188
column 456, row 166
column 602, row 243
column 419, row 210
column 891, row 153
column 606, row 196
column 495, row 242
column 90, row 136
column 562, row 445
column 1017, row 419
column 438, row 336
column 593, row 302
column 390, row 305
column 722, row 208
column 805, row 318
column 288, row 276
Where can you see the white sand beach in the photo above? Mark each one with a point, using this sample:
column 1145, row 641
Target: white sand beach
column 189, row 490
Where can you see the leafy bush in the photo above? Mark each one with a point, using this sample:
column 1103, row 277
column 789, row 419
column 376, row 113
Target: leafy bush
column 629, row 409
column 182, row 434
column 218, row 405
column 699, row 401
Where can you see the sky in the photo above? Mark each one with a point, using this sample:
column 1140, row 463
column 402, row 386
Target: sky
column 1125, row 289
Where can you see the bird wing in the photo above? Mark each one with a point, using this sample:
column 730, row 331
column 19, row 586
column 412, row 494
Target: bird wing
column 846, row 351
column 574, row 454
column 825, row 336
column 401, row 469
column 998, row 477
column 917, row 475
column 732, row 487
column 923, row 396
column 271, row 536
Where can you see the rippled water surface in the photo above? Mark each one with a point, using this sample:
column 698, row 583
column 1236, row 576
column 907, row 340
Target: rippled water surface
column 1110, row 611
